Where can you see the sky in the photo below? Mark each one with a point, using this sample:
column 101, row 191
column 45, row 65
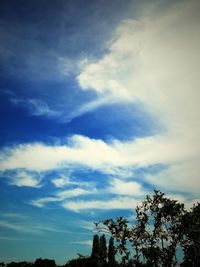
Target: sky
column 99, row 106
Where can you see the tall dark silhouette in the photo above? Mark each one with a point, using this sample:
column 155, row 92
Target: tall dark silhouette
column 111, row 253
column 95, row 247
column 102, row 251
column 191, row 242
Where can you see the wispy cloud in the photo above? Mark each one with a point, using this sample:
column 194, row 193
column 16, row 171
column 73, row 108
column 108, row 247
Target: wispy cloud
column 88, row 225
column 62, row 196
column 24, row 178
column 17, row 227
column 115, row 186
column 29, row 227
column 41, row 202
column 127, row 202
column 8, row 238
column 82, row 242
column 87, row 107
column 74, row 192
column 66, row 180
column 13, row 215
column 124, row 203
column 36, row 107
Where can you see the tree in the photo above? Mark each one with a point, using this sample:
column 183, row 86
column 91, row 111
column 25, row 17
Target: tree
column 159, row 222
column 111, row 253
column 155, row 236
column 102, row 251
column 191, row 241
column 81, row 261
column 120, row 232
column 95, row 251
column 44, row 263
column 19, row 264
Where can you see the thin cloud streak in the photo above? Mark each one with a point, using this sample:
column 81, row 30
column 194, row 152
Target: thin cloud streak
column 83, row 243
column 31, row 228
column 111, row 204
column 61, row 196
column 36, row 107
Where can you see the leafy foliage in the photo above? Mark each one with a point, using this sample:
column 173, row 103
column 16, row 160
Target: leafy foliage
column 161, row 227
column 191, row 241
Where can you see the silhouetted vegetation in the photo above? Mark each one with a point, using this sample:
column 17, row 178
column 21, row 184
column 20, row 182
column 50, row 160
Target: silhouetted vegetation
column 19, row 264
column 162, row 229
column 44, row 263
column 111, row 253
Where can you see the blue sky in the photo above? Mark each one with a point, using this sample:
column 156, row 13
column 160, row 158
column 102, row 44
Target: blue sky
column 99, row 105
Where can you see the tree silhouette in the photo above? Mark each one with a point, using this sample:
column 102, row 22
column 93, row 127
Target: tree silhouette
column 95, row 247
column 155, row 236
column 120, row 232
column 19, row 264
column 191, row 242
column 44, row 263
column 111, row 253
column 102, row 251
column 159, row 221
column 80, row 262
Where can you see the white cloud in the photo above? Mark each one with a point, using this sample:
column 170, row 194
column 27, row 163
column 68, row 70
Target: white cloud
column 41, row 202
column 74, row 193
column 62, row 181
column 65, row 181
column 100, row 155
column 183, row 177
column 155, row 61
column 62, row 195
column 116, row 203
column 23, row 178
column 108, row 158
column 121, row 187
column 84, row 242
